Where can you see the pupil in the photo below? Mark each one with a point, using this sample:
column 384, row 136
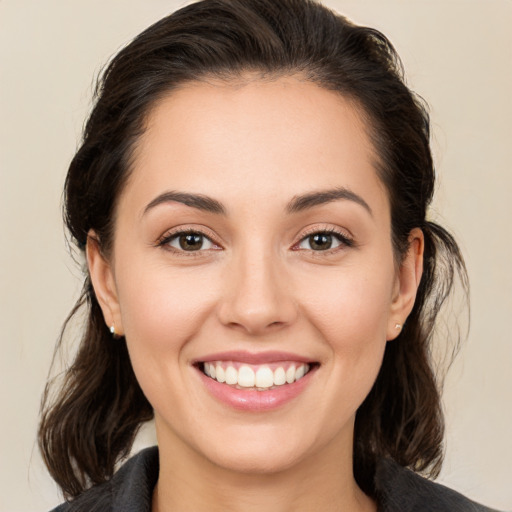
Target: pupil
column 191, row 241
column 320, row 241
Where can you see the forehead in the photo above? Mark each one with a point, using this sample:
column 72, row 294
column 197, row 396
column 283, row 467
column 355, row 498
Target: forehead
column 263, row 137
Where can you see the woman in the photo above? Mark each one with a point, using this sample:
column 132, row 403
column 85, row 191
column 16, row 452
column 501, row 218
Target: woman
column 251, row 196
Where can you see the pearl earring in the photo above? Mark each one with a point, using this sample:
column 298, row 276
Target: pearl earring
column 398, row 326
column 113, row 332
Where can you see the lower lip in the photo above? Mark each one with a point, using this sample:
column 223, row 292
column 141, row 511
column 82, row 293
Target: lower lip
column 252, row 400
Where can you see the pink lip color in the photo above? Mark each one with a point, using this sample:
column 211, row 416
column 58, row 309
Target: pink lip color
column 254, row 358
column 252, row 400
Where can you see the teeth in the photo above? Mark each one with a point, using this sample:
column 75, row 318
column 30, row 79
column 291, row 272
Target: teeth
column 258, row 377
column 231, row 376
column 220, row 374
column 279, row 376
column 264, row 377
column 246, row 377
column 290, row 374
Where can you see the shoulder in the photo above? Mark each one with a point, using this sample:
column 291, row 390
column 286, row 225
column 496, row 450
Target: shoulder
column 129, row 490
column 402, row 490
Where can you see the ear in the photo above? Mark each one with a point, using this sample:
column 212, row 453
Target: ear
column 103, row 282
column 407, row 282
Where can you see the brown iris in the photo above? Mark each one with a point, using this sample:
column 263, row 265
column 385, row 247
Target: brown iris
column 191, row 241
column 320, row 241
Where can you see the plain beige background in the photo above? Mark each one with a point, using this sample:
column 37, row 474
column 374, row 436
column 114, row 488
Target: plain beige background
column 457, row 54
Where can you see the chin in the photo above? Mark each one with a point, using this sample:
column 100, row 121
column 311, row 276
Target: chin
column 261, row 450
column 264, row 459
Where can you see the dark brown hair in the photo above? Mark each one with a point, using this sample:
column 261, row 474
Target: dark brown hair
column 91, row 422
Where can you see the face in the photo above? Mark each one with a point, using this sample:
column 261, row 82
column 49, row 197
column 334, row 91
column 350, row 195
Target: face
column 252, row 272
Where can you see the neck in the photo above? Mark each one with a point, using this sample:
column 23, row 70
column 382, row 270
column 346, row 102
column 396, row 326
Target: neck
column 324, row 481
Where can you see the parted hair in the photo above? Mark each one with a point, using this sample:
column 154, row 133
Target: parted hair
column 91, row 414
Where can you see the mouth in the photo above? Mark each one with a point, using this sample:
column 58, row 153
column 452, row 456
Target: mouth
column 256, row 382
column 259, row 377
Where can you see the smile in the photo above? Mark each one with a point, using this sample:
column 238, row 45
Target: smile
column 259, row 377
column 256, row 382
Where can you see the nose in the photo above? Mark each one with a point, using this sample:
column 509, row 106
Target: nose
column 257, row 297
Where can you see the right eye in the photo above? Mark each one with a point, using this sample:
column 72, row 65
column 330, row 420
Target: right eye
column 188, row 241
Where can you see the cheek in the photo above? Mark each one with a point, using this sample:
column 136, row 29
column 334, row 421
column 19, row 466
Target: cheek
column 161, row 310
column 351, row 315
column 351, row 307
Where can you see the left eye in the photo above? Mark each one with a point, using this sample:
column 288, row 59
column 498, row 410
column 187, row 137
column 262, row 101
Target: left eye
column 190, row 242
column 322, row 241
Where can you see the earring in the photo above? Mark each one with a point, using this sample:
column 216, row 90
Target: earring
column 398, row 326
column 115, row 335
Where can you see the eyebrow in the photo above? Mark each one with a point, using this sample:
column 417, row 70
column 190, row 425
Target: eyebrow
column 199, row 201
column 310, row 200
column 296, row 205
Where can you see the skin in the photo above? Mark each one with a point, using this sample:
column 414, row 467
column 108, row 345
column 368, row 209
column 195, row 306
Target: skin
column 256, row 284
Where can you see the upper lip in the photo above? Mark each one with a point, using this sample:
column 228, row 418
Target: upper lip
column 253, row 357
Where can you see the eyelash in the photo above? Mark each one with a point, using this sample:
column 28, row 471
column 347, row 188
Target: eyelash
column 165, row 241
column 344, row 240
